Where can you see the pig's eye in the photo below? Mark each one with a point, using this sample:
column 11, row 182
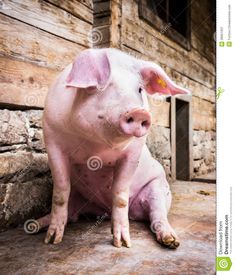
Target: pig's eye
column 140, row 90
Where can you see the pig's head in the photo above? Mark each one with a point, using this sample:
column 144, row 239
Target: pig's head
column 112, row 88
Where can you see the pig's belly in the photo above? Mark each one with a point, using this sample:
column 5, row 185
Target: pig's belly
column 95, row 189
column 93, row 186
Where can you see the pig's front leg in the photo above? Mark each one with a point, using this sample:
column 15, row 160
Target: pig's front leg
column 120, row 201
column 60, row 170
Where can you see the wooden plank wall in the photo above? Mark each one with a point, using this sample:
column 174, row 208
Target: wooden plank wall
column 102, row 23
column 37, row 40
column 193, row 69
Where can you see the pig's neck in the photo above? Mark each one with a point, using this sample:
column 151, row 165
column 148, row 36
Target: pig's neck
column 119, row 143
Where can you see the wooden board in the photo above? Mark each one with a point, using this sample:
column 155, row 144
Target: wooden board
column 116, row 22
column 203, row 122
column 75, row 7
column 160, row 111
column 139, row 35
column 159, row 52
column 26, row 42
column 46, row 16
column 203, row 114
column 197, row 89
column 88, row 3
column 203, row 29
column 24, row 84
column 203, row 106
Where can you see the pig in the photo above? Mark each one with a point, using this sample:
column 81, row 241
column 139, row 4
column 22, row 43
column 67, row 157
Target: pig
column 95, row 123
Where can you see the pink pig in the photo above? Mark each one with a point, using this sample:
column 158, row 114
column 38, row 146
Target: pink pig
column 95, row 124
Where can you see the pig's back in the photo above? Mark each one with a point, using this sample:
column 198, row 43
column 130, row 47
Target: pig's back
column 59, row 101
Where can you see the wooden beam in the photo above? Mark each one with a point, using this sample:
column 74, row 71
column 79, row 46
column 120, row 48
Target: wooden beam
column 116, row 24
column 76, row 8
column 45, row 16
column 26, row 42
column 160, row 112
column 24, row 84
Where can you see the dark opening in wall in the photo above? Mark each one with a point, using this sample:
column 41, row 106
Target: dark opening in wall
column 170, row 18
column 181, row 138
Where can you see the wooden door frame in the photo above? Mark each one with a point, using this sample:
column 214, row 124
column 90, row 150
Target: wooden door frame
column 187, row 99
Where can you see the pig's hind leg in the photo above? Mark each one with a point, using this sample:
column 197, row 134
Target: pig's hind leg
column 75, row 204
column 155, row 199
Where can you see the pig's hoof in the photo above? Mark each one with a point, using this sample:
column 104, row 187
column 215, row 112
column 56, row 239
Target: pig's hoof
column 165, row 234
column 53, row 236
column 119, row 243
column 170, row 241
column 121, row 237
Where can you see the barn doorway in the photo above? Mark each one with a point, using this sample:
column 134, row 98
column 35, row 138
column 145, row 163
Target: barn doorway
column 181, row 138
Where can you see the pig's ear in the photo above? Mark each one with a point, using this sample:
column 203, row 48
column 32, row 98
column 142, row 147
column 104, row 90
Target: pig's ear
column 91, row 69
column 155, row 80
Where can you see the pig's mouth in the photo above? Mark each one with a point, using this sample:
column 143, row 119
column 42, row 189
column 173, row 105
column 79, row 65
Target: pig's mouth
column 131, row 124
column 135, row 122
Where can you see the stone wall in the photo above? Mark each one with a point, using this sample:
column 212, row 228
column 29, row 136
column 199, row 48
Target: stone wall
column 204, row 152
column 25, row 181
column 159, row 144
column 38, row 39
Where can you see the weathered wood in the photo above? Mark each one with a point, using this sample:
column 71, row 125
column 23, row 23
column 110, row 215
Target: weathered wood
column 148, row 15
column 88, row 3
column 101, row 8
column 136, row 37
column 101, row 28
column 20, row 40
column 100, row 35
column 199, row 46
column 160, row 111
column 130, row 11
column 203, row 26
column 75, row 7
column 45, row 16
column 203, row 122
column 24, row 84
column 115, row 28
column 203, row 114
column 203, row 106
column 102, row 13
column 196, row 88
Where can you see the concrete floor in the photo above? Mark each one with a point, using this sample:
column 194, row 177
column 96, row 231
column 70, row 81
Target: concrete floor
column 192, row 215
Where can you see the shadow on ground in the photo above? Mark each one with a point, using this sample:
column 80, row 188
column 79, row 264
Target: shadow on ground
column 87, row 249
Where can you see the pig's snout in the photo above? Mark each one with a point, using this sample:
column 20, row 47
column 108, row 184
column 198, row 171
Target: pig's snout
column 135, row 122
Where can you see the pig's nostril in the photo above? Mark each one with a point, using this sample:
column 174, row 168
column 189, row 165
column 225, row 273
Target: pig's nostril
column 145, row 123
column 130, row 119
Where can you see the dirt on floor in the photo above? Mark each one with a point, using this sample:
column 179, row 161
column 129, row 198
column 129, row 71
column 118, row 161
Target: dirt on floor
column 86, row 248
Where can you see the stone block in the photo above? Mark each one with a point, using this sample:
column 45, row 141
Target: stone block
column 23, row 200
column 13, row 128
